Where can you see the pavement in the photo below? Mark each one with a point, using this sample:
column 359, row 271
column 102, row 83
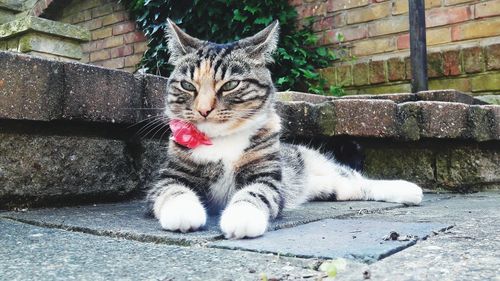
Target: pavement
column 448, row 237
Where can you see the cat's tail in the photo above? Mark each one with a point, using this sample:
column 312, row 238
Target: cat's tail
column 325, row 178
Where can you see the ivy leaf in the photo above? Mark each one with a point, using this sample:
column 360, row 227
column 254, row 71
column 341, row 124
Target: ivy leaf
column 251, row 10
column 282, row 80
column 264, row 21
column 237, row 16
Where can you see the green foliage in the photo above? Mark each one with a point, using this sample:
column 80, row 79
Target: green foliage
column 222, row 21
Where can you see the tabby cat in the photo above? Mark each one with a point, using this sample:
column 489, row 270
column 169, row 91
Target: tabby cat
column 247, row 175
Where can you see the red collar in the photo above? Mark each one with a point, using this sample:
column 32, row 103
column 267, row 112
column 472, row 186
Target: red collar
column 186, row 134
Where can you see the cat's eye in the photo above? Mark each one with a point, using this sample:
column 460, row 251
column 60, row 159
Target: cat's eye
column 188, row 86
column 231, row 85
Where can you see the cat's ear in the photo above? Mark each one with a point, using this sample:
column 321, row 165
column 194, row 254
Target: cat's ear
column 179, row 42
column 263, row 44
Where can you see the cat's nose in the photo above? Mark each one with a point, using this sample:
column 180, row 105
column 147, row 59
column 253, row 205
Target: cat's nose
column 204, row 112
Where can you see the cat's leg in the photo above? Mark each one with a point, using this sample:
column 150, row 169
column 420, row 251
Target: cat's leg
column 326, row 178
column 249, row 211
column 176, row 206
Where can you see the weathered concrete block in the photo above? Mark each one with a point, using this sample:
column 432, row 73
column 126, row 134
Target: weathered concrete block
column 24, row 24
column 39, row 167
column 48, row 44
column 443, row 119
column 155, row 91
column 409, row 116
column 468, row 168
column 484, row 122
column 299, row 96
column 414, row 165
column 30, row 88
column 365, row 118
column 397, row 98
column 100, row 94
column 299, row 119
column 445, row 95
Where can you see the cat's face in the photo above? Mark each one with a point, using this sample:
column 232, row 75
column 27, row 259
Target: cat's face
column 221, row 88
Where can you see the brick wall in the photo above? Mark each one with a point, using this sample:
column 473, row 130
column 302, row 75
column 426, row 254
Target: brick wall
column 116, row 42
column 463, row 38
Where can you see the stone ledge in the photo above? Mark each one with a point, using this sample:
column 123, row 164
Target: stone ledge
column 41, row 25
column 387, row 119
column 33, row 90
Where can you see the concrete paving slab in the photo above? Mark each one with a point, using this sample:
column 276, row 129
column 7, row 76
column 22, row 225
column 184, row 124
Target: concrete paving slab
column 34, row 253
column 361, row 240
column 127, row 220
column 468, row 251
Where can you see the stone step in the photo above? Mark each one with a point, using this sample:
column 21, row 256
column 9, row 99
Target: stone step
column 95, row 94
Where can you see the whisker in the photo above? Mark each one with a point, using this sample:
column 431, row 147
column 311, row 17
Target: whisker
column 149, row 125
column 155, row 128
column 144, row 120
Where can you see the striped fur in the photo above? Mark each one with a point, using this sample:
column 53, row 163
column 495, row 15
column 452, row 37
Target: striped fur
column 247, row 175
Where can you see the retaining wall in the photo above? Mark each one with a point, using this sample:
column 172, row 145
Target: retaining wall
column 66, row 133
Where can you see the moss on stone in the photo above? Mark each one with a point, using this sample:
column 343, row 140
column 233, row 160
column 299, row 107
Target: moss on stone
column 25, row 24
column 465, row 167
column 400, row 163
column 44, row 43
column 326, row 118
column 409, row 116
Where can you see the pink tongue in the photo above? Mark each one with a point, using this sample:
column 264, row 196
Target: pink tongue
column 186, row 134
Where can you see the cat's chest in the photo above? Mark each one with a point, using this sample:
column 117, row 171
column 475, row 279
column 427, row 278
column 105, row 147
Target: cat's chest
column 226, row 150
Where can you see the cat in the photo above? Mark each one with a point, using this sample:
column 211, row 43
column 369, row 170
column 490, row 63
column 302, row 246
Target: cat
column 245, row 173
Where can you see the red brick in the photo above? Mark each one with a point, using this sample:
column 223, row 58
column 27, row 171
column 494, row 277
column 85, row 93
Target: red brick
column 476, row 29
column 305, row 11
column 377, row 72
column 99, row 55
column 114, row 41
column 133, row 37
column 350, row 34
column 116, row 63
column 408, row 68
column 444, row 16
column 122, row 51
column 329, row 22
column 451, row 63
column 337, row 5
column 102, row 10
column 140, row 47
column 434, row 65
column 487, row 9
column 122, row 28
column 473, row 59
column 114, row 18
column 133, row 60
column 92, row 24
column 396, row 69
column 360, row 74
column 403, row 41
column 493, row 57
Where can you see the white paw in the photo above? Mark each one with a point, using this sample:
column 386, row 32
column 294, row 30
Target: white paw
column 399, row 191
column 182, row 213
column 243, row 219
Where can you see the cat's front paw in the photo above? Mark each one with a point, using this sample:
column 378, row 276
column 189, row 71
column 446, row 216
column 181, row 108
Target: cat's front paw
column 243, row 219
column 182, row 213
